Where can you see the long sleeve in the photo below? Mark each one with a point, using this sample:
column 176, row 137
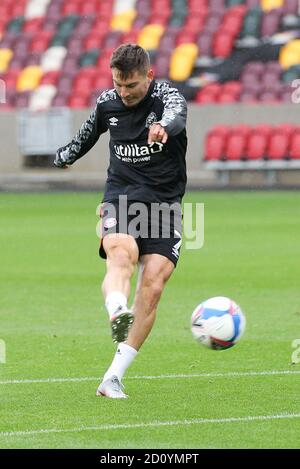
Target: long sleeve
column 85, row 138
column 175, row 108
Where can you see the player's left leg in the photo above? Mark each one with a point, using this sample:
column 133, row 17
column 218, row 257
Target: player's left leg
column 154, row 274
column 155, row 270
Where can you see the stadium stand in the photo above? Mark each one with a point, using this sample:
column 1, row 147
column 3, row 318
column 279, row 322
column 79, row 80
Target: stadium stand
column 250, row 48
column 55, row 54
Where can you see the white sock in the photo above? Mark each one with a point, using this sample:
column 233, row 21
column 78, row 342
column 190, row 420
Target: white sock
column 113, row 301
column 124, row 356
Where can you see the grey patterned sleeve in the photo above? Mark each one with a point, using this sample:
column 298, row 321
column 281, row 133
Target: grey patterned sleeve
column 175, row 108
column 84, row 140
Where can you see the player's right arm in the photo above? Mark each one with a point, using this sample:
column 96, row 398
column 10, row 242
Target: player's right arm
column 83, row 141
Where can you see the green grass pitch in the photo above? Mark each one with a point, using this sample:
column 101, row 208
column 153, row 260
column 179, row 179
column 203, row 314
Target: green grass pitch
column 57, row 336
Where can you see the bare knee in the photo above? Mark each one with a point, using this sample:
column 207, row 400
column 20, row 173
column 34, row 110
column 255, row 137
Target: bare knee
column 121, row 253
column 119, row 256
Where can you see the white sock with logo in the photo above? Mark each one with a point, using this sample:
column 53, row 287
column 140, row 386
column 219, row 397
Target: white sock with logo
column 124, row 356
column 113, row 301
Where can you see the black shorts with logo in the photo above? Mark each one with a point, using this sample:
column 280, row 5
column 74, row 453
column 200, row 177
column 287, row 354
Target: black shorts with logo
column 157, row 228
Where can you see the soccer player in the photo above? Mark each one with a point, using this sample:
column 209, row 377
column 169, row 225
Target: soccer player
column 146, row 175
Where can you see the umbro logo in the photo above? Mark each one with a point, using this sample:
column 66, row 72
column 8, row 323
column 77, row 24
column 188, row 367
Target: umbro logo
column 113, row 121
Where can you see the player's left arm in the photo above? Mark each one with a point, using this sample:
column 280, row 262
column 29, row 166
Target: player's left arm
column 174, row 115
column 83, row 141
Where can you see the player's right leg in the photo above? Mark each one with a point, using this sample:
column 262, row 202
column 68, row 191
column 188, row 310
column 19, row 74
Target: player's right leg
column 122, row 257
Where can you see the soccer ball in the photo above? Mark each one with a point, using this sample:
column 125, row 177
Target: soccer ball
column 218, row 323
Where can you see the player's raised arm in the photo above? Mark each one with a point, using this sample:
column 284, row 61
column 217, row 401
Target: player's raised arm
column 175, row 109
column 83, row 141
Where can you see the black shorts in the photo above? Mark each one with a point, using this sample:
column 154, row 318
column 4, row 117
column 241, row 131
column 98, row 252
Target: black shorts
column 157, row 228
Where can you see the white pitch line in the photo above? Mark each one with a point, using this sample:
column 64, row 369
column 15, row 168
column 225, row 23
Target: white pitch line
column 200, row 421
column 233, row 374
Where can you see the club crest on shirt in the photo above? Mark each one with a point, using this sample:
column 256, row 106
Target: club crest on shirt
column 110, row 223
column 150, row 119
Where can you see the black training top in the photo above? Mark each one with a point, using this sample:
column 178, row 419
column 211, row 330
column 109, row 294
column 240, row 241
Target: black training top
column 146, row 173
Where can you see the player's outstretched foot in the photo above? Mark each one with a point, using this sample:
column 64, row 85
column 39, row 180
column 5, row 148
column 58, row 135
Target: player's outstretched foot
column 120, row 324
column 112, row 388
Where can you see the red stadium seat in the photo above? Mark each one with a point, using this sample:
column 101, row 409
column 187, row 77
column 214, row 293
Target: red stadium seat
column 185, row 38
column 102, row 83
column 286, row 128
column 242, row 129
column 214, row 146
column 18, row 9
column 264, row 129
column 233, row 87
column 86, row 8
column 10, row 79
column 222, row 44
column 232, row 24
column 103, row 64
column 90, row 72
column 81, row 83
column 41, row 41
column 256, row 146
column 130, row 37
column 94, row 40
column 100, row 26
column 198, row 7
column 71, row 7
column 227, row 97
column 78, row 101
column 206, row 98
column 194, row 24
column 213, row 88
column 239, row 10
column 105, row 9
column 33, row 26
column 208, row 94
column 236, row 145
column 50, row 78
column 294, row 150
column 5, row 14
column 278, row 146
column 163, row 20
column 107, row 52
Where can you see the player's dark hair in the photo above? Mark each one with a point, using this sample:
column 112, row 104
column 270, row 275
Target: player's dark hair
column 128, row 58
